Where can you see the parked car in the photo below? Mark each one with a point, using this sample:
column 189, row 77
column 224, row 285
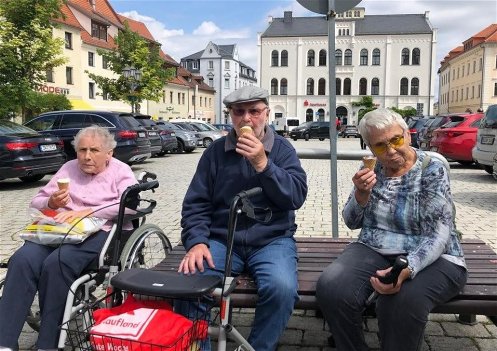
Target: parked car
column 350, row 131
column 186, row 139
column 225, row 128
column 207, row 132
column 415, row 126
column 168, row 138
column 455, row 140
column 425, row 137
column 311, row 130
column 485, row 149
column 27, row 154
column 132, row 142
column 152, row 133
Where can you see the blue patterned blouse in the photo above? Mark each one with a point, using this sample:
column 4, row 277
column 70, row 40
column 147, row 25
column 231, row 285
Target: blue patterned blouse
column 410, row 214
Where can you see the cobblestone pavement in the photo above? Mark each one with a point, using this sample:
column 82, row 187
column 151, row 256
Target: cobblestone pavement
column 474, row 191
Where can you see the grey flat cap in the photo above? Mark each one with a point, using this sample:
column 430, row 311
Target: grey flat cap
column 246, row 94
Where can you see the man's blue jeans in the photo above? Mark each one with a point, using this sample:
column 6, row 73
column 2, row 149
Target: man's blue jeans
column 274, row 268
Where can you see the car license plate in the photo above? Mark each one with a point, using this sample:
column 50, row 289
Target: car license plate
column 141, row 134
column 48, row 147
column 487, row 140
column 152, row 133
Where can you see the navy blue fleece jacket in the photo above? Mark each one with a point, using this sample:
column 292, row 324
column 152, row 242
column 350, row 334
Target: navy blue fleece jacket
column 222, row 173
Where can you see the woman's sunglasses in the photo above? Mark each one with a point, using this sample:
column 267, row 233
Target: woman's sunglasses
column 395, row 143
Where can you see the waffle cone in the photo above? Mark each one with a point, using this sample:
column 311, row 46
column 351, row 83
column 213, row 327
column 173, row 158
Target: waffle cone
column 369, row 162
column 246, row 129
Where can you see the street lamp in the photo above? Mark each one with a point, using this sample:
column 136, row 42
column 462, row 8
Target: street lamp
column 133, row 76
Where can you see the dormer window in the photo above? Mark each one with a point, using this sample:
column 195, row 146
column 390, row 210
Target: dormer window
column 98, row 30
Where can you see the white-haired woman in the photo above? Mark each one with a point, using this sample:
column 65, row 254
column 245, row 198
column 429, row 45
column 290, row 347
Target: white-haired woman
column 97, row 181
column 403, row 207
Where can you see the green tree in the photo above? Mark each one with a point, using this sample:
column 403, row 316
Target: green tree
column 27, row 48
column 367, row 103
column 133, row 51
column 38, row 103
column 405, row 112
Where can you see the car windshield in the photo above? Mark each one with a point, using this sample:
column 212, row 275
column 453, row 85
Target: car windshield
column 305, row 124
column 204, row 127
column 293, row 122
column 7, row 127
column 129, row 121
column 490, row 119
column 454, row 121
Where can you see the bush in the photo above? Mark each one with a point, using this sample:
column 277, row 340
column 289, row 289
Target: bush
column 39, row 103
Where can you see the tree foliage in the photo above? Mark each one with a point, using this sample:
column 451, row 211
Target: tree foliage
column 367, row 103
column 133, row 51
column 405, row 112
column 27, row 48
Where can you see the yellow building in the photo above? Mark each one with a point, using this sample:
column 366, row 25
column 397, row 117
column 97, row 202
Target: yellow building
column 468, row 74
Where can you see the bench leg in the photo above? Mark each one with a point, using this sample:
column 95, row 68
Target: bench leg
column 468, row 319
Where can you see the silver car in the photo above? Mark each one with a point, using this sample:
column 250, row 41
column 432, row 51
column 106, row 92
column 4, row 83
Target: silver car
column 208, row 133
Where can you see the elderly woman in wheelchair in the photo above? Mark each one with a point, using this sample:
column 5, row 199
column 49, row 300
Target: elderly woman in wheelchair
column 97, row 181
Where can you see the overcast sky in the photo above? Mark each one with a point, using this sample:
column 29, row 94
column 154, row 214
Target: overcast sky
column 185, row 27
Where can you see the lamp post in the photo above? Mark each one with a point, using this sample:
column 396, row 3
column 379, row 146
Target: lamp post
column 133, row 76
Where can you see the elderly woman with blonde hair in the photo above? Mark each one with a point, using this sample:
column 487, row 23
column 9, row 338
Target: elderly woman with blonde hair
column 403, row 206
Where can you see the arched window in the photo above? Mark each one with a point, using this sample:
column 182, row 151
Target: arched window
column 376, row 57
column 274, row 58
column 415, row 86
column 322, row 86
column 309, row 115
column 375, row 86
column 320, row 114
column 310, row 58
column 405, row 57
column 416, row 56
column 310, row 86
column 348, row 57
column 322, row 57
column 363, row 86
column 338, row 86
column 338, row 57
column 346, row 86
column 283, row 87
column 284, row 58
column 274, row 86
column 364, row 57
column 404, row 86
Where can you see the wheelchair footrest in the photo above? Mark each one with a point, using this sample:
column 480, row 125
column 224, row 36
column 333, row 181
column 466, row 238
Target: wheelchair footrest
column 165, row 284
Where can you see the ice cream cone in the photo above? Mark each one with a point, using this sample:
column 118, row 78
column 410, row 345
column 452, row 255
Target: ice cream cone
column 246, row 129
column 369, row 162
column 63, row 183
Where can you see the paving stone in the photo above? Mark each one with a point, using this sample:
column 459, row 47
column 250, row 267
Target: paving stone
column 487, row 344
column 439, row 343
column 471, row 331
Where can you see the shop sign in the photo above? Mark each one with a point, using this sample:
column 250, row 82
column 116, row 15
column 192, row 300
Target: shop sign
column 314, row 104
column 53, row 90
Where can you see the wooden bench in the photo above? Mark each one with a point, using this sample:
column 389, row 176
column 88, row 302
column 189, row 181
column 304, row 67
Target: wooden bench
column 479, row 296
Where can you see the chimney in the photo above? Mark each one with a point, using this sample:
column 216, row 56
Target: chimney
column 269, row 19
column 287, row 17
column 93, row 4
column 427, row 14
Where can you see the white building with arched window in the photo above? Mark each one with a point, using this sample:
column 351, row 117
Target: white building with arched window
column 389, row 57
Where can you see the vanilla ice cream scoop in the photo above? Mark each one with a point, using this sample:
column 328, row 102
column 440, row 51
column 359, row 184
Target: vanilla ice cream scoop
column 63, row 183
column 246, row 129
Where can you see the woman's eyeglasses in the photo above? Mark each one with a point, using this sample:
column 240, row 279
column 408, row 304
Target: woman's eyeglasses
column 395, row 142
column 253, row 112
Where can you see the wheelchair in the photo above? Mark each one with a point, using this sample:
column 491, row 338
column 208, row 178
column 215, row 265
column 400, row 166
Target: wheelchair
column 144, row 246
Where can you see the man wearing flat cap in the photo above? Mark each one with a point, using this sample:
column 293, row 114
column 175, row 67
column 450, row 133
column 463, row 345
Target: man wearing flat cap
column 264, row 245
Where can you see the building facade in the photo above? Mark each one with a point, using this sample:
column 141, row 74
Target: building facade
column 89, row 25
column 222, row 70
column 388, row 57
column 468, row 74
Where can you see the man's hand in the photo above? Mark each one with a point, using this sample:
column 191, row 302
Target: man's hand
column 252, row 149
column 58, row 199
column 388, row 289
column 194, row 259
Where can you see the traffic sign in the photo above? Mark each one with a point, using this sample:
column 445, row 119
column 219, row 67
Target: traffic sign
column 322, row 6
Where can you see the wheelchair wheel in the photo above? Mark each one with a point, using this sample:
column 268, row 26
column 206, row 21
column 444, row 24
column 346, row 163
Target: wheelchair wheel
column 145, row 248
column 33, row 318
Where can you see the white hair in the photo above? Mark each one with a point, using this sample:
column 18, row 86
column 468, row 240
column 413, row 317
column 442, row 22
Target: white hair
column 380, row 118
column 107, row 138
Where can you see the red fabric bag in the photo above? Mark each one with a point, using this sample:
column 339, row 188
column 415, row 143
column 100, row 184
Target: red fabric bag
column 144, row 325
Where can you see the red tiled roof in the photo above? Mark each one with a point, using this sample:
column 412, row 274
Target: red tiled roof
column 102, row 9
column 69, row 19
column 88, row 39
column 137, row 27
